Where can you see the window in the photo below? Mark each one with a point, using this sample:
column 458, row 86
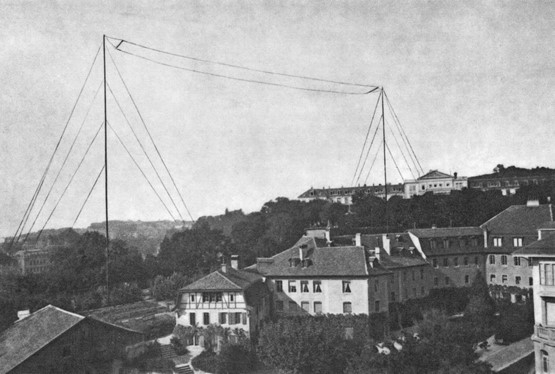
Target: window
column 192, row 297
column 244, row 318
column 445, row 262
column 530, row 281
column 305, row 305
column 504, row 279
column 347, row 307
column 545, row 361
column 376, row 285
column 206, row 319
column 304, row 286
column 318, row 307
column 292, row 306
column 465, row 261
column 446, row 243
column 279, row 286
column 517, row 280
column 346, row 287
column 466, row 279
column 492, row 278
column 211, row 297
column 516, row 260
column 474, row 242
column 232, row 296
column 433, row 244
column 492, row 259
column 497, row 242
column 434, row 262
column 446, row 281
column 517, row 242
column 421, row 273
column 504, row 260
column 413, row 278
column 377, row 305
column 456, row 261
column 292, row 286
column 476, row 261
column 546, row 274
column 279, row 306
column 392, row 296
column 317, row 286
column 192, row 319
column 223, row 318
column 436, row 281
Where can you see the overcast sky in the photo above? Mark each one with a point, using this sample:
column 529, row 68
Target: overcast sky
column 472, row 83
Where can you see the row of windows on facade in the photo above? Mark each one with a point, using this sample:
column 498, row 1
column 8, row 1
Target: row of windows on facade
column 435, row 262
column 223, row 318
column 448, row 243
column 504, row 260
column 316, row 286
column 498, row 241
column 506, row 183
column 505, row 279
column 208, row 297
column 436, row 185
column 39, row 261
column 317, row 307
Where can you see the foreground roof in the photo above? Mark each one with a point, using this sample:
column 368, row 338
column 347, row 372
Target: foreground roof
column 26, row 337
column 543, row 247
column 342, row 261
column 520, row 219
column 230, row 280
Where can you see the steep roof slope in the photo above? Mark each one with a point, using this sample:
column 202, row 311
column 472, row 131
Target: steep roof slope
column 230, row 280
column 519, row 219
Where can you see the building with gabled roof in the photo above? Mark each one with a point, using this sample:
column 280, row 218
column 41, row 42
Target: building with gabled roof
column 53, row 340
column 515, row 227
column 344, row 195
column 228, row 297
column 509, row 179
column 436, row 182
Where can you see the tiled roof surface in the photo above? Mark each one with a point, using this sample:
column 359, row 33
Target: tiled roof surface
column 519, row 219
column 344, row 261
column 231, row 280
column 24, row 338
column 545, row 246
column 446, row 232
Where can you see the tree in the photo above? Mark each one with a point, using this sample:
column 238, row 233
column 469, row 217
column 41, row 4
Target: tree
column 481, row 306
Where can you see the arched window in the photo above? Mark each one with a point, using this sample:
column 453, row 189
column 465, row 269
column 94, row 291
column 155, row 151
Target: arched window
column 545, row 361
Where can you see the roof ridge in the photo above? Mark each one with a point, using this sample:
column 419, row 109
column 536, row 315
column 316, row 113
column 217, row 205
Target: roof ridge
column 227, row 279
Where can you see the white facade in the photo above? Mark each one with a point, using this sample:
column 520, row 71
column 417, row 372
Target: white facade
column 436, row 182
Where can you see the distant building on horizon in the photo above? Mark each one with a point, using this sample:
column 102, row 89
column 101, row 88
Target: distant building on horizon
column 344, row 195
column 509, row 180
column 436, row 182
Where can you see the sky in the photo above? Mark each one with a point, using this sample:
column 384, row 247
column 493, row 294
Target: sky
column 471, row 82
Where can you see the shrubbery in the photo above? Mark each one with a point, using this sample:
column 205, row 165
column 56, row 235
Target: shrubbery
column 165, row 288
column 206, row 361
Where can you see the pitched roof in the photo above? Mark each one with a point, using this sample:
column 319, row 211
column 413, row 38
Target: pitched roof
column 543, row 247
column 230, row 280
column 434, row 174
column 519, row 219
column 446, row 232
column 344, row 261
column 26, row 337
column 347, row 191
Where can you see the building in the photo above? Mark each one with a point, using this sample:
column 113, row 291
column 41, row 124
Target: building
column 344, row 195
column 436, row 182
column 510, row 230
column 228, row 297
column 33, row 261
column 313, row 277
column 541, row 256
column 509, row 180
column 53, row 340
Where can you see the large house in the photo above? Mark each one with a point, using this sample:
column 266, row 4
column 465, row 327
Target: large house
column 53, row 340
column 344, row 195
column 510, row 230
column 509, row 180
column 436, row 182
column 228, row 297
column 541, row 255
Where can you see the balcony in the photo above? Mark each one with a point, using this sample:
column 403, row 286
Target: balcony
column 546, row 333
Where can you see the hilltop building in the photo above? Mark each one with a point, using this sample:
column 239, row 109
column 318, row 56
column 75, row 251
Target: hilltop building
column 508, row 180
column 507, row 232
column 228, row 297
column 33, row 261
column 436, row 182
column 344, row 195
column 53, row 340
column 541, row 256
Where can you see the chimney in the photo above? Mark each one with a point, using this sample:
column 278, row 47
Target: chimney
column 385, row 241
column 328, row 238
column 532, row 203
column 358, row 240
column 235, row 262
column 455, row 175
column 377, row 253
column 223, row 264
column 301, row 254
column 21, row 314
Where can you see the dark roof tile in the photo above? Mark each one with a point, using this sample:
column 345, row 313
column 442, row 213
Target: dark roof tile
column 519, row 219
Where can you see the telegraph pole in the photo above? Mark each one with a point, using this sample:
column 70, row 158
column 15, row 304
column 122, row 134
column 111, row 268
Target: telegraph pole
column 106, row 172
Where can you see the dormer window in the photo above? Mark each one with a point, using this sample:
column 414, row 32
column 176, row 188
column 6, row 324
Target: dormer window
column 517, row 242
column 497, row 242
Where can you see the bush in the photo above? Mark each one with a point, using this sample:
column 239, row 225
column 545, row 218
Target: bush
column 151, row 360
column 160, row 326
column 235, row 359
column 515, row 323
column 206, row 361
column 179, row 346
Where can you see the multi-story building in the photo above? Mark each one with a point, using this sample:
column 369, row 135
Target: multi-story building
column 313, row 277
column 344, row 195
column 33, row 261
column 456, row 254
column 228, row 297
column 541, row 256
column 52, row 340
column 436, row 182
column 510, row 230
column 509, row 180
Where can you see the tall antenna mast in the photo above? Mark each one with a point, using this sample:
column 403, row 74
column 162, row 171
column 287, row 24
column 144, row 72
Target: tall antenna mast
column 106, row 172
column 384, row 148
